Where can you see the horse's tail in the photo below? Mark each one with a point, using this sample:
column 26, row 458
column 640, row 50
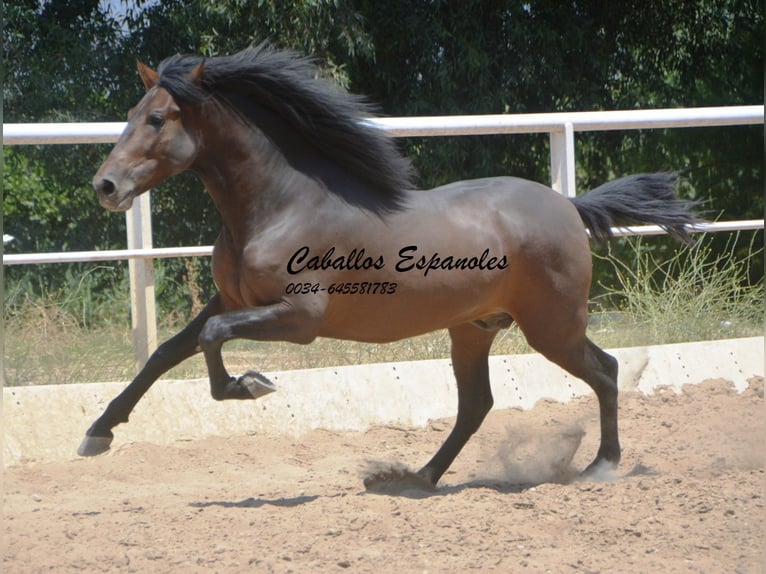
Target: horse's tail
column 637, row 199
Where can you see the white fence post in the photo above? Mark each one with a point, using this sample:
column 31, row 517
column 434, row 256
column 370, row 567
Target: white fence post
column 563, row 160
column 143, row 318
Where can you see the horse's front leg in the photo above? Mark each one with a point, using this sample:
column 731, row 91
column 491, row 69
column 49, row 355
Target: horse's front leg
column 183, row 345
column 278, row 322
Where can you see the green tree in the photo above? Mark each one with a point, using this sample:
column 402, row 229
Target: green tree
column 58, row 68
column 58, row 59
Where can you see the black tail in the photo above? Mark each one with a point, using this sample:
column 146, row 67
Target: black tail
column 647, row 198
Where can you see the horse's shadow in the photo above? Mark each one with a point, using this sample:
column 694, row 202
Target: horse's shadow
column 406, row 489
column 257, row 502
column 402, row 485
column 403, row 492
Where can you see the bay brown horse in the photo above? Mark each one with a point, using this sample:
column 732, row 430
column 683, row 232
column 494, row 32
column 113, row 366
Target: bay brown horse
column 324, row 235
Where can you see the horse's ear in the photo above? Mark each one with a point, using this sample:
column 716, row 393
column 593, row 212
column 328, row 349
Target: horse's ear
column 196, row 74
column 148, row 76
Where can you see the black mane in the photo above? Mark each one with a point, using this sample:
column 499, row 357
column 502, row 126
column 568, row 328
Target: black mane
column 287, row 84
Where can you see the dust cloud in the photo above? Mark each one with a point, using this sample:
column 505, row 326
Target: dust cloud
column 529, row 458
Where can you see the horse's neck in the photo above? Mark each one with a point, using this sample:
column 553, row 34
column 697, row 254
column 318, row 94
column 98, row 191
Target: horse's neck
column 250, row 180
column 255, row 178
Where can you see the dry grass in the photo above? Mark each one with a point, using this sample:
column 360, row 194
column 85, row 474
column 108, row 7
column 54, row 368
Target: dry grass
column 57, row 351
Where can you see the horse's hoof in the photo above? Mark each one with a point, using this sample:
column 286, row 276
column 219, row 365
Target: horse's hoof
column 397, row 480
column 251, row 385
column 600, row 470
column 93, row 445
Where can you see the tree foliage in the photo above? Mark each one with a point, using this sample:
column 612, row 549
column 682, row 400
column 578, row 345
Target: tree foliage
column 74, row 60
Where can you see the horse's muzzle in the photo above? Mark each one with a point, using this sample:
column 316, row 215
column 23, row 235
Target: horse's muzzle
column 109, row 196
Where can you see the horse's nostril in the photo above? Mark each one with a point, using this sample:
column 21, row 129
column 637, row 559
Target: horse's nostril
column 106, row 187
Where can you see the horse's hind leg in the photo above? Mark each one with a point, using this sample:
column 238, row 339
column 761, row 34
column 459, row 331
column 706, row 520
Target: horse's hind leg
column 470, row 353
column 601, row 375
column 585, row 360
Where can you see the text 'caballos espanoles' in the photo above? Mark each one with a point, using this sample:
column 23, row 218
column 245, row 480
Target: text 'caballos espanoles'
column 408, row 260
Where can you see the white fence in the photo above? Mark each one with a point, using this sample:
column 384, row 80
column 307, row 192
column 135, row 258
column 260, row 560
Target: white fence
column 561, row 128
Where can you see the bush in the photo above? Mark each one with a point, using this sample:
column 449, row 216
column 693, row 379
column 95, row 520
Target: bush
column 698, row 293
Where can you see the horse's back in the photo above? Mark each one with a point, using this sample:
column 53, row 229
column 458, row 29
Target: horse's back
column 508, row 194
column 528, row 213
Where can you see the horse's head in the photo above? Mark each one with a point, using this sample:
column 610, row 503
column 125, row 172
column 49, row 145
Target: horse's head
column 158, row 142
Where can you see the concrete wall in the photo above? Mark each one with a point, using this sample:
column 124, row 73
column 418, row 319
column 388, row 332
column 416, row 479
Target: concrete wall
column 47, row 422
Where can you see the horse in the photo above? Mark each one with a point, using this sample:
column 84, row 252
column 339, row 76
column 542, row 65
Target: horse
column 325, row 234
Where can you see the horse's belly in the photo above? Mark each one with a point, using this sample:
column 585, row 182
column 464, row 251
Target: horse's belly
column 386, row 318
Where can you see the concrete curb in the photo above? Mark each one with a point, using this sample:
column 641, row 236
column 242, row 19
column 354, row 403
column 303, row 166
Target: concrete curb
column 47, row 423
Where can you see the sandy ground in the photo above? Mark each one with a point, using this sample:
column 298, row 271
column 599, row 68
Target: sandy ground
column 688, row 497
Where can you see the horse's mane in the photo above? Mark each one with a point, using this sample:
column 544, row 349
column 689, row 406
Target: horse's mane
column 287, row 84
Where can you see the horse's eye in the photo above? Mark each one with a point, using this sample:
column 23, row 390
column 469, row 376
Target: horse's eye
column 155, row 120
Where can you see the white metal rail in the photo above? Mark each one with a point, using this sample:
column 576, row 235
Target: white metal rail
column 561, row 128
column 71, row 133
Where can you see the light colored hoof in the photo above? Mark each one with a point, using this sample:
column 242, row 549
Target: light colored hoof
column 93, row 445
column 600, row 470
column 249, row 386
column 256, row 384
